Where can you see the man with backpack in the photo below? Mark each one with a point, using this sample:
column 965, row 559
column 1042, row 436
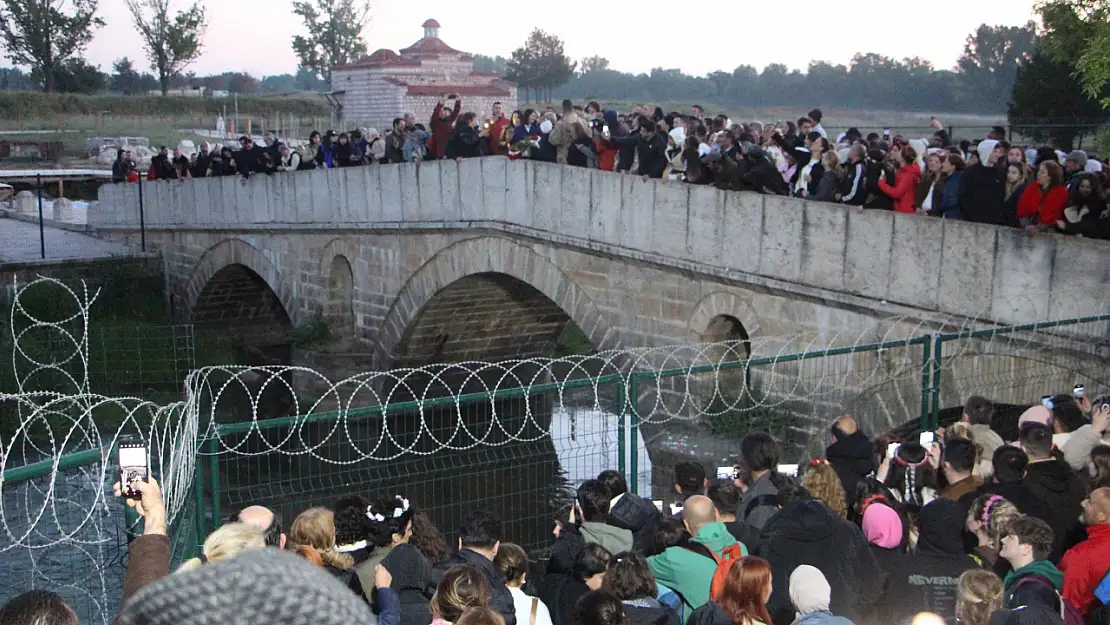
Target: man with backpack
column 700, row 564
column 1034, row 581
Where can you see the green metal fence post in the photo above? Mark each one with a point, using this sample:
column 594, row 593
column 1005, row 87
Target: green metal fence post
column 198, row 493
column 622, row 445
column 214, row 464
column 634, row 430
column 926, row 380
column 938, row 357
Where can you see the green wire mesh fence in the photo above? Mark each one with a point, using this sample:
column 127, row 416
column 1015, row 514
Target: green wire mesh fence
column 512, row 438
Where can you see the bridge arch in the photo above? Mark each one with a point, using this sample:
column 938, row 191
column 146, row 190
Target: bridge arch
column 234, row 284
column 485, row 299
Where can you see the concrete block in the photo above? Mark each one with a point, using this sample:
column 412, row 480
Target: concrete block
column 472, row 189
column 966, row 267
column 354, row 198
column 868, row 254
column 335, row 209
column 705, row 225
column 449, row 188
column 518, row 205
column 1022, row 276
column 410, row 194
column 743, row 231
column 391, row 181
column 574, row 218
column 430, row 206
column 204, row 208
column 781, row 239
column 304, row 185
column 824, row 243
column 372, row 182
column 605, row 207
column 671, row 219
column 27, row 203
column 494, row 171
column 637, row 213
column 1079, row 265
column 63, row 209
column 547, row 196
column 915, row 260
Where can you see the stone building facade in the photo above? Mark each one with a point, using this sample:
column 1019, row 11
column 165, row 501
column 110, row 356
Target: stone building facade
column 376, row 89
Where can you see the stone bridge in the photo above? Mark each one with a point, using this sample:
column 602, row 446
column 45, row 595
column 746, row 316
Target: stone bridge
column 487, row 259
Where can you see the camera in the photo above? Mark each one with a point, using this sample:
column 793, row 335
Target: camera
column 1079, row 391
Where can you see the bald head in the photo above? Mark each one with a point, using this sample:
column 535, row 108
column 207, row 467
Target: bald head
column 266, row 520
column 1097, row 509
column 927, row 618
column 698, row 511
column 845, row 426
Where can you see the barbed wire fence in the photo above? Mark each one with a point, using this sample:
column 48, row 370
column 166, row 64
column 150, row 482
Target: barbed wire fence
column 509, row 436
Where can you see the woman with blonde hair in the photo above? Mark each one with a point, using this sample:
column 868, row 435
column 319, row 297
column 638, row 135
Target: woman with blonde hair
column 979, row 596
column 313, row 536
column 227, row 541
column 512, row 563
column 823, row 483
column 462, row 587
column 830, row 179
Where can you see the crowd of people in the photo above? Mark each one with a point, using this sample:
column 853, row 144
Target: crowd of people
column 986, row 181
column 955, row 525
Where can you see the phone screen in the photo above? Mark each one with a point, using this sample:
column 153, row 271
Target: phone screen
column 788, row 469
column 132, row 468
column 891, row 450
column 927, row 438
column 725, row 473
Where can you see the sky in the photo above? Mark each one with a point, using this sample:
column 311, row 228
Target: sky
column 253, row 35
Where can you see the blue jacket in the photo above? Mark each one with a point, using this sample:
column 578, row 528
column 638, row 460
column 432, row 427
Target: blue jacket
column 524, row 130
column 950, row 197
column 821, row 618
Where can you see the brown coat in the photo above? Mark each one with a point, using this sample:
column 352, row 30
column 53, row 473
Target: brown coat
column 148, row 561
column 923, row 190
column 961, row 488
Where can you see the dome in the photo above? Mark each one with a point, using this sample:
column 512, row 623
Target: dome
column 382, row 55
column 430, row 24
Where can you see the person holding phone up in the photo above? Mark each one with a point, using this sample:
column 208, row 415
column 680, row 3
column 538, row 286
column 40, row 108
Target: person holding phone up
column 148, row 555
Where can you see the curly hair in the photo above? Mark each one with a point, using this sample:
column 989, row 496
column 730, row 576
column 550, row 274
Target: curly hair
column 352, row 526
column 462, row 587
column 629, row 577
column 993, row 514
column 388, row 517
column 427, row 538
column 823, row 483
column 980, row 595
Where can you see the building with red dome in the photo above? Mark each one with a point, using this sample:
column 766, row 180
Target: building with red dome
column 377, row 88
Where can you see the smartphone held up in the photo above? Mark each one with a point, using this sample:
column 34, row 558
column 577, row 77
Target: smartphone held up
column 134, row 466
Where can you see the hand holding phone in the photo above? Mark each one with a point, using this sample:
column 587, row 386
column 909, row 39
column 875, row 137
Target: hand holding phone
column 149, row 505
column 134, row 466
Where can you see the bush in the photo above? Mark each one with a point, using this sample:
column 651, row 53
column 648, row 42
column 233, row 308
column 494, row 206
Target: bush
column 22, row 104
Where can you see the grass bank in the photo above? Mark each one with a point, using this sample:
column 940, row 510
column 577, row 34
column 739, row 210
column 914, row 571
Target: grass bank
column 16, row 105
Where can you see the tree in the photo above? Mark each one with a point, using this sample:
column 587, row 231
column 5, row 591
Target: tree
column 990, row 62
column 1047, row 92
column 78, row 76
column 496, row 64
column 125, row 79
column 1077, row 35
column 36, row 33
column 13, row 79
column 333, row 33
column 171, row 42
column 593, row 64
column 539, row 65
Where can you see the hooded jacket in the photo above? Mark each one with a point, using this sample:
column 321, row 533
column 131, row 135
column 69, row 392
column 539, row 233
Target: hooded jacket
column 1054, row 483
column 758, row 504
column 809, row 532
column 500, row 597
column 851, row 458
column 1036, row 583
column 639, row 516
column 982, row 189
column 614, row 539
column 1084, row 566
column 648, row 611
column 928, row 578
column 413, row 581
column 689, row 573
column 904, row 189
column 1041, row 206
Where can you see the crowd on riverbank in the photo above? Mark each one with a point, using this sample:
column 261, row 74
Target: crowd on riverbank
column 950, row 526
column 985, row 180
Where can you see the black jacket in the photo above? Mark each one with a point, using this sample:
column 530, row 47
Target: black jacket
column 852, row 191
column 653, row 156
column 1018, row 494
column 709, row 614
column 809, row 532
column 1053, row 482
column 560, row 593
column 500, row 598
column 744, row 534
column 250, row 161
column 928, row 578
column 851, row 458
column 639, row 516
column 649, row 612
column 875, row 196
column 464, row 143
column 763, row 176
column 204, row 161
column 981, row 190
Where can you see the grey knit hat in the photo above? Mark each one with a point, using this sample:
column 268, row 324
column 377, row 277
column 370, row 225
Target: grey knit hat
column 260, row 586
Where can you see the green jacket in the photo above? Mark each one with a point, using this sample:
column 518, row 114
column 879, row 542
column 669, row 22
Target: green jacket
column 1042, row 568
column 688, row 573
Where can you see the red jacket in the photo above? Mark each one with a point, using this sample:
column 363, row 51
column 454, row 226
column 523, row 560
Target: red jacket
column 606, row 153
column 1084, row 566
column 441, row 129
column 496, row 131
column 1048, row 208
column 905, row 187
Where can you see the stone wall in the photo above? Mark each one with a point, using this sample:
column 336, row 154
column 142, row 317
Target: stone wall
column 890, row 264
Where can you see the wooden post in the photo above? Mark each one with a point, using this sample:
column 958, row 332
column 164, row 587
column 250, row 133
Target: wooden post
column 249, row 133
column 61, row 188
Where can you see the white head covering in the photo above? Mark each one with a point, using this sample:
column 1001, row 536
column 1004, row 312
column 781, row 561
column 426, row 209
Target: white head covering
column 1031, row 156
column 1093, row 166
column 809, row 590
column 546, row 126
column 919, row 146
column 986, row 146
column 844, row 154
column 679, row 135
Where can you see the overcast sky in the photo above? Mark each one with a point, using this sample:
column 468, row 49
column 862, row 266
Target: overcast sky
column 254, row 35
